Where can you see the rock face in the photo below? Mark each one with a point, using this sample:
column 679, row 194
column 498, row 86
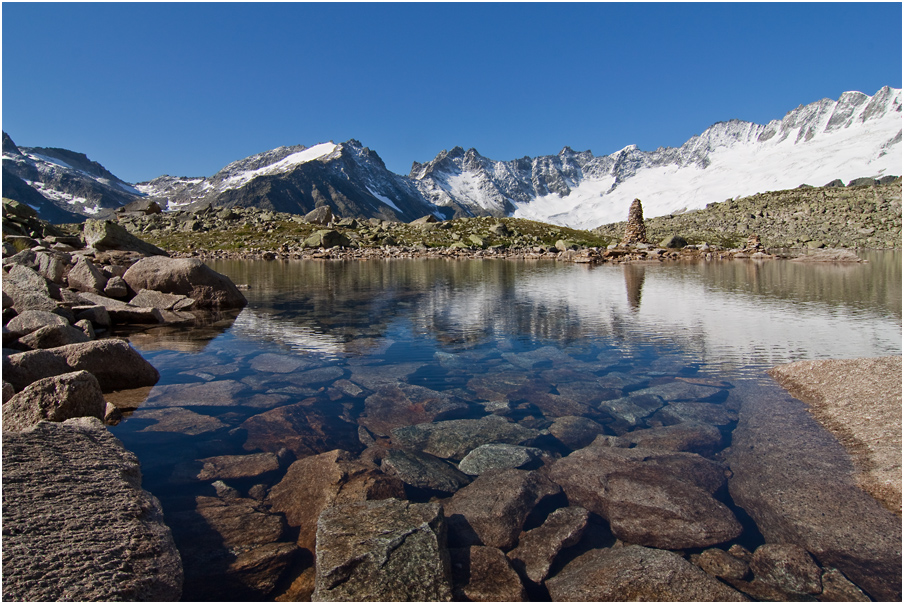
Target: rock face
column 386, row 551
column 637, row 574
column 115, row 364
column 188, row 277
column 635, row 231
column 54, row 399
column 85, row 516
column 783, row 463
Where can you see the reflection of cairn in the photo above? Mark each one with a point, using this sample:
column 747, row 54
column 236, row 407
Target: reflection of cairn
column 753, row 243
column 634, row 276
column 635, row 232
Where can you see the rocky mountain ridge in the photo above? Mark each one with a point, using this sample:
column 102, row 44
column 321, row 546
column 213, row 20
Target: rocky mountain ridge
column 856, row 136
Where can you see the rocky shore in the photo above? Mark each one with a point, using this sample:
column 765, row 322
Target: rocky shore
column 608, row 484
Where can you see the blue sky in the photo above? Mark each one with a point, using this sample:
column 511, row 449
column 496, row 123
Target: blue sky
column 184, row 89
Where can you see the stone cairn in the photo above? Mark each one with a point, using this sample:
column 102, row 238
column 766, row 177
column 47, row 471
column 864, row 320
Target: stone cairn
column 635, row 232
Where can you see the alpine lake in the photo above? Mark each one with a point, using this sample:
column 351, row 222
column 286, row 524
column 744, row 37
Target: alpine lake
column 337, row 355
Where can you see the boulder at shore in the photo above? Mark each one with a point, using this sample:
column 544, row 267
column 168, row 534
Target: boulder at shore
column 188, row 277
column 77, row 525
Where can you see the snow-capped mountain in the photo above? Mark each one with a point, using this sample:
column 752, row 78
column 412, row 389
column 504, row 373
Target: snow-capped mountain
column 349, row 177
column 853, row 137
column 64, row 185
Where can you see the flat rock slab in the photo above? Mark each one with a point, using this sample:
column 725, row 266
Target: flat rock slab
column 859, row 401
column 455, row 438
column 387, row 551
column 798, row 484
column 76, row 523
column 636, row 574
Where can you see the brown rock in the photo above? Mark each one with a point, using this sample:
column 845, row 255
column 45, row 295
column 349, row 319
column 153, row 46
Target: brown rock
column 301, row 429
column 484, row 574
column 636, row 573
column 85, row 277
column 492, row 509
column 537, row 549
column 234, row 523
column 788, row 568
column 385, row 551
column 693, row 437
column 179, row 420
column 655, row 498
column 315, row 483
column 837, row 588
column 53, row 336
column 218, row 393
column 404, row 405
column 260, row 569
column 575, row 432
column 33, row 320
column 225, row 467
column 720, row 563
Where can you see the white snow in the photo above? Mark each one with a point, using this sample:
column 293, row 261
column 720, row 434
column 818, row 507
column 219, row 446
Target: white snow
column 50, row 160
column 384, row 199
column 283, row 165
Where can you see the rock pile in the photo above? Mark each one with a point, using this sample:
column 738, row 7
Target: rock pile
column 72, row 497
column 635, row 231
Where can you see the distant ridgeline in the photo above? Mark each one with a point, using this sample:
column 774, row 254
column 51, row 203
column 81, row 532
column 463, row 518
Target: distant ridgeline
column 857, row 135
column 864, row 214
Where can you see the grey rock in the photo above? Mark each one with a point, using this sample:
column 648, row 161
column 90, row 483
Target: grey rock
column 321, row 215
column 31, row 320
column 115, row 364
column 148, row 298
column 628, row 412
column 636, row 573
column 73, row 502
column 484, row 574
column 386, row 550
column 707, row 413
column 107, row 235
column 116, row 288
column 538, row 548
column 188, row 277
column 326, row 238
column 53, row 336
column 498, row 457
column 492, row 509
column 424, row 471
column 8, row 392
column 27, row 279
column 798, row 484
column 86, row 277
column 673, row 241
column 217, row 393
column 50, row 266
column 453, row 439
column 54, row 399
column 97, row 314
column 25, row 299
column 86, row 327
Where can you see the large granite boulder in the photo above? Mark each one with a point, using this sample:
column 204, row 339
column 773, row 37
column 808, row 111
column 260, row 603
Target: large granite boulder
column 107, row 235
column 186, row 276
column 315, row 483
column 86, row 277
column 798, row 484
column 115, row 364
column 387, row 551
column 492, row 510
column 53, row 336
column 636, row 574
column 32, row 320
column 77, row 524
column 650, row 497
column 54, row 399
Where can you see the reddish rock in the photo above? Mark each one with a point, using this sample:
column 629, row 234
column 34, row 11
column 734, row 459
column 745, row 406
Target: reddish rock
column 492, row 509
column 54, row 399
column 537, row 549
column 788, row 568
column 301, row 429
column 484, row 574
column 692, row 437
column 315, row 483
column 404, row 405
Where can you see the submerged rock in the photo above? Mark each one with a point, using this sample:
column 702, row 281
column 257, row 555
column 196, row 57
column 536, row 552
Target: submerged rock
column 538, row 548
column 300, row 428
column 636, row 573
column 484, row 574
column 453, row 439
column 498, row 457
column 424, row 471
column 386, row 551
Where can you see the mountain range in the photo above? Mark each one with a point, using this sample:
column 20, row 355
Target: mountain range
column 856, row 136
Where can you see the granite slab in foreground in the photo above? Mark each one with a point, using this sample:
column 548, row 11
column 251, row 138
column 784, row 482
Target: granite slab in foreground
column 859, row 401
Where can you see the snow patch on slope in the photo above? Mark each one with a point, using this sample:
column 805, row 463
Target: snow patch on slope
column 283, row 165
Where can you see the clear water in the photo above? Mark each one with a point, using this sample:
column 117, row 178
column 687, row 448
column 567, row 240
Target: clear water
column 442, row 324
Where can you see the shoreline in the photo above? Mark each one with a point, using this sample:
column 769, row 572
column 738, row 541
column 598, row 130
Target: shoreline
column 859, row 402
